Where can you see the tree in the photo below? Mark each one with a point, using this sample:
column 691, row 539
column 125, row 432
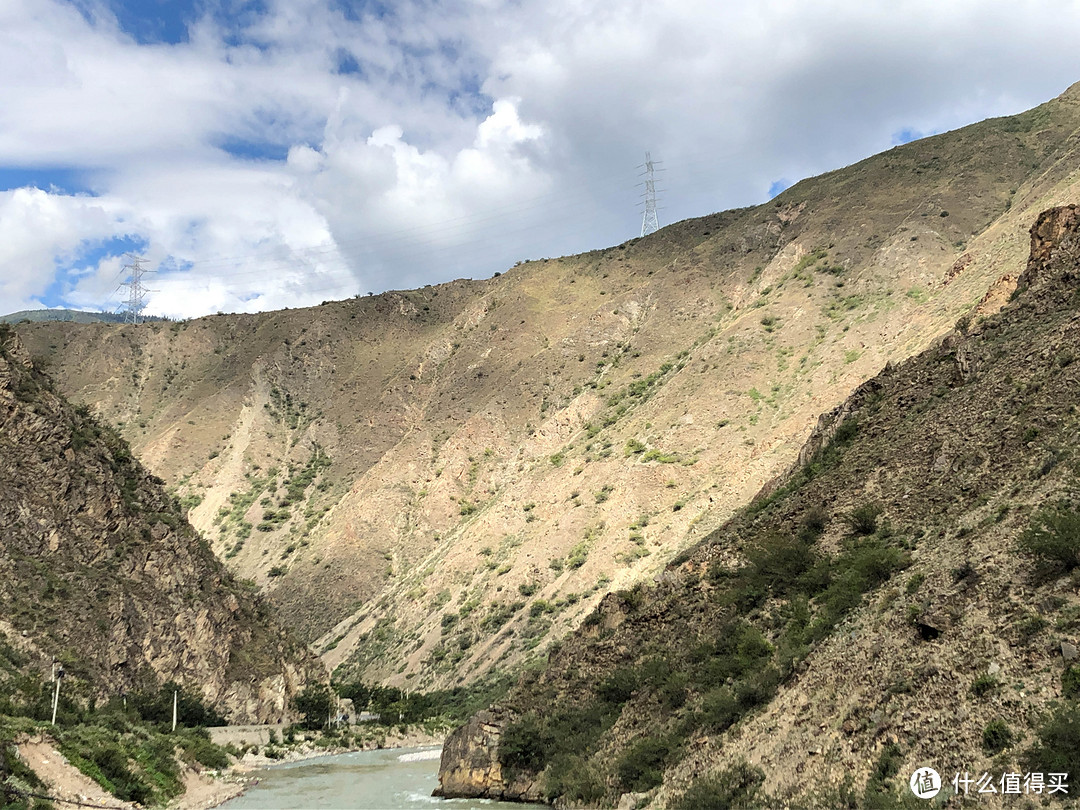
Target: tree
column 314, row 703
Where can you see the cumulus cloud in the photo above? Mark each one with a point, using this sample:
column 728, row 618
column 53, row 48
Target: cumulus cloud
column 314, row 149
column 40, row 230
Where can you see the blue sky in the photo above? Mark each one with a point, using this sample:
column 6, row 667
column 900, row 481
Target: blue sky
column 65, row 179
column 283, row 152
column 155, row 21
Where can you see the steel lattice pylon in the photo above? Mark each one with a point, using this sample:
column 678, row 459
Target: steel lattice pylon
column 649, row 222
column 136, row 300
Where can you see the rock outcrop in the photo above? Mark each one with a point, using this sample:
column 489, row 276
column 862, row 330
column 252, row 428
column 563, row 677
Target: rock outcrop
column 100, row 570
column 470, row 766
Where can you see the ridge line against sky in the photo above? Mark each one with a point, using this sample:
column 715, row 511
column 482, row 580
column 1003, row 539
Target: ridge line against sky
column 275, row 153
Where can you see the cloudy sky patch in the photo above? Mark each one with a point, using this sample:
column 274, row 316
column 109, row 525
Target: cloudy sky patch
column 284, row 152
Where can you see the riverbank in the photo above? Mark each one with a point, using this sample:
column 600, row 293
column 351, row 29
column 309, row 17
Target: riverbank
column 376, row 739
column 203, row 790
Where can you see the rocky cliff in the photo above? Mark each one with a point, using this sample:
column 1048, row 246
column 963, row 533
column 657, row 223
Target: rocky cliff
column 470, row 765
column 100, row 570
column 906, row 596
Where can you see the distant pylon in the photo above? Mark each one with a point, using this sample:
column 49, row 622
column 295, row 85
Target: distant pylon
column 136, row 299
column 649, row 222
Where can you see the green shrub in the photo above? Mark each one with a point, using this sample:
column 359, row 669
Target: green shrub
column 1057, row 746
column 914, row 583
column 314, row 703
column 862, row 520
column 540, row 607
column 1053, row 538
column 996, row 737
column 740, row 649
column 877, row 793
column 137, row 767
column 574, row 778
column 983, row 685
column 731, row 789
column 196, row 746
column 619, row 686
column 719, row 709
column 757, row 690
column 641, row 766
column 777, row 565
column 522, row 745
column 813, row 523
column 1070, row 682
column 578, row 555
column 191, row 711
column 669, row 684
column 533, row 741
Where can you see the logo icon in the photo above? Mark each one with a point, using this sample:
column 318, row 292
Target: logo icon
column 925, row 783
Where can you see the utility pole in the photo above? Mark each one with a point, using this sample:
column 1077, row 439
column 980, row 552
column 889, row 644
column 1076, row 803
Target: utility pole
column 58, row 676
column 174, row 694
column 136, row 299
column 649, row 222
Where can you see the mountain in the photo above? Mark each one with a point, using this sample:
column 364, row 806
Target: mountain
column 905, row 596
column 100, row 572
column 436, row 483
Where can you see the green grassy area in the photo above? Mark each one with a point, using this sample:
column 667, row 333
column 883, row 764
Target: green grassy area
column 125, row 745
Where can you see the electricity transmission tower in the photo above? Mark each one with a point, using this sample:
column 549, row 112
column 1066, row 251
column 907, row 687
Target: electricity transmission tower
column 649, row 222
column 136, row 299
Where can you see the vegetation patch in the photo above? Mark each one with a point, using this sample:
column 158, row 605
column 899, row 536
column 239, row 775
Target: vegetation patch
column 1053, row 539
column 708, row 686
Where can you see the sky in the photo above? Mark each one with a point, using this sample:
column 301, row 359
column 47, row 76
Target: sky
column 262, row 154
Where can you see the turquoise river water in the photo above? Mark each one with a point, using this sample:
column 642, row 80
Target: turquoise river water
column 390, row 779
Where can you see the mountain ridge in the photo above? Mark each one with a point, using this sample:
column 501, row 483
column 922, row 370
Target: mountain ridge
column 461, row 472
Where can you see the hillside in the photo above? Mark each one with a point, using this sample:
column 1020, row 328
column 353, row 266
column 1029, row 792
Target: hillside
column 100, row 571
column 66, row 316
column 434, row 483
column 905, row 596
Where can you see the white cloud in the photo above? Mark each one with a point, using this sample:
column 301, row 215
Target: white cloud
column 39, row 229
column 461, row 137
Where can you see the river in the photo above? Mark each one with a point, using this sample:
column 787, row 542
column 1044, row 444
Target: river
column 389, row 779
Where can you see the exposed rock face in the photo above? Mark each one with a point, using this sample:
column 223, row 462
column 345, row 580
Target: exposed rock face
column 99, row 569
column 1053, row 240
column 470, row 766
